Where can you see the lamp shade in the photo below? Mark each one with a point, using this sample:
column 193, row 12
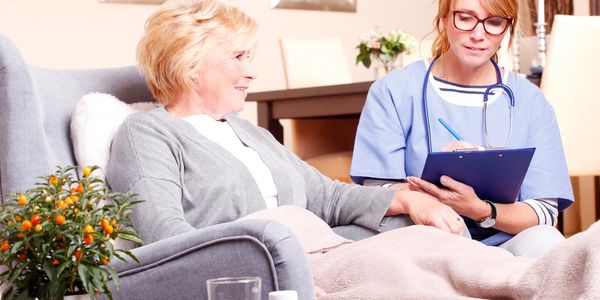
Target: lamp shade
column 570, row 82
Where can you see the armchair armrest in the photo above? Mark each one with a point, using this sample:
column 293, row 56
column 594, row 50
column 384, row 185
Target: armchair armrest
column 177, row 267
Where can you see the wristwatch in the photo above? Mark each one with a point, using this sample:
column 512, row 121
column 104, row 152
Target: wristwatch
column 488, row 221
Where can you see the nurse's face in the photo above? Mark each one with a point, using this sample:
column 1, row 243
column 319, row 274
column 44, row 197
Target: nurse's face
column 473, row 42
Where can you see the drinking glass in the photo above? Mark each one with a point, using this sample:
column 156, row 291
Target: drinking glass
column 234, row 288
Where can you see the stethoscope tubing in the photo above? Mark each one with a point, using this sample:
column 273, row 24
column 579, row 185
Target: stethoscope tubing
column 486, row 94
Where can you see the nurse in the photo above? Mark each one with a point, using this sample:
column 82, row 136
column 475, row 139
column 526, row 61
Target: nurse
column 392, row 140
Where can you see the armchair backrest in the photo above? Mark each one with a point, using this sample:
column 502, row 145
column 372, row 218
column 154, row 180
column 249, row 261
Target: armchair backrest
column 35, row 112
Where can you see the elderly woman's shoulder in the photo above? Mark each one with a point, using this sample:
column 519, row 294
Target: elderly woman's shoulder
column 156, row 117
column 154, row 114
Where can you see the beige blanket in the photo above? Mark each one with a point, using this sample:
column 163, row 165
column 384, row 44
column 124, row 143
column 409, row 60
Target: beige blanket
column 426, row 263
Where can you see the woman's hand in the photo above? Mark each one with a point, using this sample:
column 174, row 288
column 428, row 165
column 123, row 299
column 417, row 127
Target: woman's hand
column 457, row 195
column 424, row 209
column 460, row 145
column 400, row 186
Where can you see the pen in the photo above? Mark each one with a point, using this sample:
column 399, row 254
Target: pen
column 456, row 136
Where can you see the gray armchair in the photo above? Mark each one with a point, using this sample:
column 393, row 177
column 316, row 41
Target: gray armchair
column 35, row 111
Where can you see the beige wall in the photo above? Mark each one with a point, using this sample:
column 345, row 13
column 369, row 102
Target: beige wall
column 581, row 7
column 85, row 33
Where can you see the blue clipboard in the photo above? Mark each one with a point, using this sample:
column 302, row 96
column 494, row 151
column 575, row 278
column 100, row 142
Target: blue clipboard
column 495, row 175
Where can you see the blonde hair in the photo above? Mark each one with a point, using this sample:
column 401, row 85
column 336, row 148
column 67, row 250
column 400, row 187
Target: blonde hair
column 502, row 8
column 181, row 35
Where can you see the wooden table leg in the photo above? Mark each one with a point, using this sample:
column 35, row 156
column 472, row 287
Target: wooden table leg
column 597, row 196
column 264, row 113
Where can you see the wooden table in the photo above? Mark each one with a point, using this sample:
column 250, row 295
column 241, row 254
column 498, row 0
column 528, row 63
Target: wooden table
column 333, row 101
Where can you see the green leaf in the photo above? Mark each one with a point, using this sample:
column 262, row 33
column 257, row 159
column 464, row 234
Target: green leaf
column 130, row 237
column 84, row 275
column 113, row 275
column 50, row 271
column 130, row 254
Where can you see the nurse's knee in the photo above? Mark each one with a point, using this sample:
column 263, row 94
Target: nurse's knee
column 534, row 241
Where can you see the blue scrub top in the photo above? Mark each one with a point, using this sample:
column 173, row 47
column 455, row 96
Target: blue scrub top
column 391, row 140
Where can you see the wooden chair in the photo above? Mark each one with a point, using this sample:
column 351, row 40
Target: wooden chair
column 324, row 143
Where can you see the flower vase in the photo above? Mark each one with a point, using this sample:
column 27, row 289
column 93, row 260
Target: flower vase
column 386, row 66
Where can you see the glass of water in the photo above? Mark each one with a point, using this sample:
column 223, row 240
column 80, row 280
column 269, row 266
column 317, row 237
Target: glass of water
column 234, row 288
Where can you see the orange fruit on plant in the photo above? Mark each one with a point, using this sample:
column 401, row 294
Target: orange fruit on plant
column 80, row 188
column 26, row 225
column 59, row 220
column 105, row 260
column 60, row 204
column 89, row 239
column 56, row 262
column 108, row 229
column 35, row 219
column 20, row 236
column 38, row 228
column 5, row 245
column 86, row 172
column 53, row 180
column 22, row 200
column 74, row 198
column 22, row 256
column 17, row 218
column 88, row 229
column 77, row 254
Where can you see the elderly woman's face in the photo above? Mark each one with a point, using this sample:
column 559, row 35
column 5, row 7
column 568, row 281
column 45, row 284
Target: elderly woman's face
column 223, row 84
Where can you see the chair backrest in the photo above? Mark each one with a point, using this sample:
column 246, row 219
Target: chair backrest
column 35, row 112
column 569, row 83
column 326, row 144
column 314, row 62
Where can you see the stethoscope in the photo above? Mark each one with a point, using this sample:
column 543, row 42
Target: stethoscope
column 486, row 93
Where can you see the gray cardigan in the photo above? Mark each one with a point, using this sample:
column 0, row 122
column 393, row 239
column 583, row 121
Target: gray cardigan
column 188, row 181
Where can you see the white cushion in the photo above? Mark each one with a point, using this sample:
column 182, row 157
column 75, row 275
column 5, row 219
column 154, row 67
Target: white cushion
column 95, row 122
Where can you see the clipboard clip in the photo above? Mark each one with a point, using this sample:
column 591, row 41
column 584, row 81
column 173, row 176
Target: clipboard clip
column 480, row 148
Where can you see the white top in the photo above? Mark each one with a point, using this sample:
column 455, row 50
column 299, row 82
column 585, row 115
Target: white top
column 465, row 95
column 222, row 134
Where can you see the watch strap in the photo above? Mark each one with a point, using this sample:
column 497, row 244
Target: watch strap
column 490, row 220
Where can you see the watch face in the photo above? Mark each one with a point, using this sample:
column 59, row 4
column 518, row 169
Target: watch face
column 487, row 222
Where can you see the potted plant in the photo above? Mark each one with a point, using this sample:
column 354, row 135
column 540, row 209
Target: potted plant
column 385, row 47
column 58, row 237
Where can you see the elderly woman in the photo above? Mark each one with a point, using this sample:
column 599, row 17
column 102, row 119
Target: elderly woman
column 196, row 163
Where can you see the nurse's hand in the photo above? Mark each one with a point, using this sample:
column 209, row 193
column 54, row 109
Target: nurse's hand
column 457, row 195
column 423, row 209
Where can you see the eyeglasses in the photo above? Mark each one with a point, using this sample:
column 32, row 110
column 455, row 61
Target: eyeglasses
column 494, row 25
